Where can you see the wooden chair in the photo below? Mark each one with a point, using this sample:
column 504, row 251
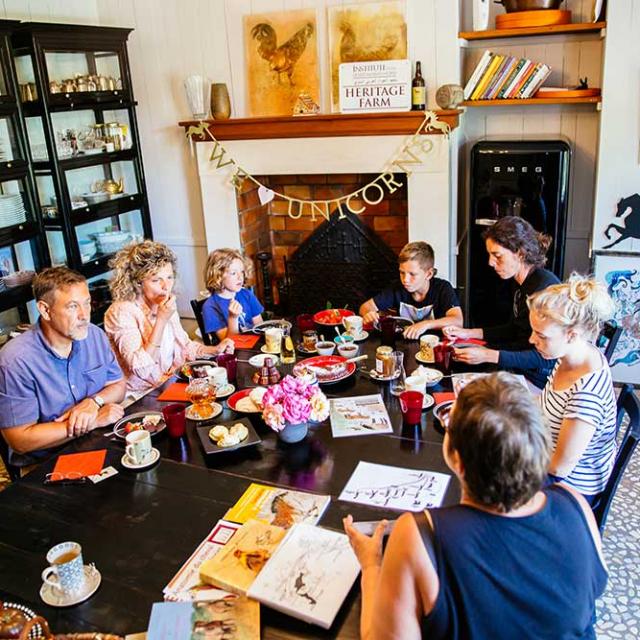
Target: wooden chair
column 608, row 339
column 628, row 404
column 207, row 338
column 13, row 471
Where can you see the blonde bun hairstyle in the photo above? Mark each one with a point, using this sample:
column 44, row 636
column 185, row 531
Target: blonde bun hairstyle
column 580, row 303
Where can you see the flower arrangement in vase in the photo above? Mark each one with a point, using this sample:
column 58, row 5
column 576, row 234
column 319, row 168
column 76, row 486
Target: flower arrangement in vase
column 289, row 405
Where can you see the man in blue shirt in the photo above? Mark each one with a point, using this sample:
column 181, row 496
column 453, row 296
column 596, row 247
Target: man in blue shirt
column 60, row 379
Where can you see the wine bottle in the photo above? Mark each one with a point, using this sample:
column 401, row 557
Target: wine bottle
column 418, row 90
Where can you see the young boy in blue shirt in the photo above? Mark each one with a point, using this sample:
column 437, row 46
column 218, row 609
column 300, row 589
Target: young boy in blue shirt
column 430, row 302
column 231, row 308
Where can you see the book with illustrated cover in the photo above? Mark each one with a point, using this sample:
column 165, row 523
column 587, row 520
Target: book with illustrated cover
column 359, row 416
column 276, row 506
column 237, row 564
column 225, row 616
column 309, row 575
column 186, row 584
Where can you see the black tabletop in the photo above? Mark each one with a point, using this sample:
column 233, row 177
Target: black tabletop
column 140, row 527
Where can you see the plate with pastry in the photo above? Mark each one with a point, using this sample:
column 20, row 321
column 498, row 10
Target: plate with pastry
column 152, row 421
column 247, row 400
column 228, row 436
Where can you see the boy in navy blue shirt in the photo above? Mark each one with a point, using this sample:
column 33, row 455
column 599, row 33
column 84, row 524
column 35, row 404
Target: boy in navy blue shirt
column 231, row 308
column 430, row 302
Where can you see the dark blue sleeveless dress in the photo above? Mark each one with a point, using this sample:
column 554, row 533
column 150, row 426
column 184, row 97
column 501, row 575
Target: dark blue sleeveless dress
column 515, row 578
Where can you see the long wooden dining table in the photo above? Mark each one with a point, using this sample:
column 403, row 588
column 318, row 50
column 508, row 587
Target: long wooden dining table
column 140, row 527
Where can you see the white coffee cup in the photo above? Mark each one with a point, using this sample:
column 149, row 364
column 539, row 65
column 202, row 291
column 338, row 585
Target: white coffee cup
column 138, row 446
column 67, row 567
column 426, row 346
column 218, row 376
column 415, row 383
column 353, row 325
column 273, row 339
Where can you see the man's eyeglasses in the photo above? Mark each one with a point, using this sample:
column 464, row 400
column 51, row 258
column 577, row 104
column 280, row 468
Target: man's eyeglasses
column 71, row 477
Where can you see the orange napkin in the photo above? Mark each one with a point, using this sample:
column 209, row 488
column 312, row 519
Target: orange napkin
column 443, row 396
column 174, row 393
column 87, row 464
column 245, row 340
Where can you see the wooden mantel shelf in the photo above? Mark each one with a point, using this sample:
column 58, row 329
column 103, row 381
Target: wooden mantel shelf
column 322, row 126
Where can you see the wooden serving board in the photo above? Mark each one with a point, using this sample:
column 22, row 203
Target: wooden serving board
column 541, row 18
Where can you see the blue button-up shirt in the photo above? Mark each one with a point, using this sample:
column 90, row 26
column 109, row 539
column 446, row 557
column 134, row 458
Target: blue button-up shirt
column 38, row 385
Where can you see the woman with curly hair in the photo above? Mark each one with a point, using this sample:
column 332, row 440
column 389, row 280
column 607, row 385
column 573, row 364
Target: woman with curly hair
column 143, row 323
column 578, row 399
column 231, row 308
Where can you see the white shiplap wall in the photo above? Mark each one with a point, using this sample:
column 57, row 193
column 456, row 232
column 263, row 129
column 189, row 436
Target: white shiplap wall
column 75, row 11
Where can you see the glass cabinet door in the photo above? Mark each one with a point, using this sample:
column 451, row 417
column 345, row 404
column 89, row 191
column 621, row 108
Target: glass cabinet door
column 99, row 183
column 9, row 148
column 14, row 204
column 83, row 71
column 26, row 78
column 109, row 235
column 47, row 197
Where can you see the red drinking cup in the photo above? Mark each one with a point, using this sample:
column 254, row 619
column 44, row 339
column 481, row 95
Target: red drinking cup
column 230, row 362
column 442, row 354
column 305, row 322
column 175, row 419
column 388, row 330
column 411, row 406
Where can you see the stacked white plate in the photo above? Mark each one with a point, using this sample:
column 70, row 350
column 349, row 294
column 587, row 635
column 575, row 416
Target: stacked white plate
column 12, row 209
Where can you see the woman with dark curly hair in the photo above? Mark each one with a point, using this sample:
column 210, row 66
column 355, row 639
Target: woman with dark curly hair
column 514, row 559
column 516, row 252
column 143, row 323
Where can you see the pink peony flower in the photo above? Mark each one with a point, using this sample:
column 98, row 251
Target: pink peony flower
column 272, row 415
column 296, row 409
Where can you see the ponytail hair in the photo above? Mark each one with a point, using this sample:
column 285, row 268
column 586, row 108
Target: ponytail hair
column 518, row 236
column 580, row 303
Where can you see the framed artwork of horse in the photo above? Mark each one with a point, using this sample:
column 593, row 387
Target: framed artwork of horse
column 628, row 211
column 621, row 273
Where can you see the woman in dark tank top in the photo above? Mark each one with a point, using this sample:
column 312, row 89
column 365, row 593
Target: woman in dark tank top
column 512, row 560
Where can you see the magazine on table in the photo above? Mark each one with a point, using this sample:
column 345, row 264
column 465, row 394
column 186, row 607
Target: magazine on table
column 186, row 584
column 277, row 506
column 225, row 615
column 359, row 416
column 236, row 565
column 309, row 575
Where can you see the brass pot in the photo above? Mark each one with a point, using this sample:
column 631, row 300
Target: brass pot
column 512, row 6
column 220, row 103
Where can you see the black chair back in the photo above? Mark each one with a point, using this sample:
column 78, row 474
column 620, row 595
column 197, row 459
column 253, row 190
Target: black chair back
column 608, row 339
column 13, row 471
column 628, row 404
column 196, row 305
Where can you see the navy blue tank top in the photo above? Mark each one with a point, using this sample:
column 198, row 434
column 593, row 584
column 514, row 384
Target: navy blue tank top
column 504, row 578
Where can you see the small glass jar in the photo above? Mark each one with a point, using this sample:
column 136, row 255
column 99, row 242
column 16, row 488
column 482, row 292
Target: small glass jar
column 309, row 339
column 384, row 361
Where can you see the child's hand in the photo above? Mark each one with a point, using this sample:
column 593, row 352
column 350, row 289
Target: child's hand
column 235, row 308
column 414, row 331
column 371, row 317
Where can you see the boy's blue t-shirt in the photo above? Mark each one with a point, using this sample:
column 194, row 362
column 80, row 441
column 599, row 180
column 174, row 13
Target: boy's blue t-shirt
column 439, row 299
column 215, row 311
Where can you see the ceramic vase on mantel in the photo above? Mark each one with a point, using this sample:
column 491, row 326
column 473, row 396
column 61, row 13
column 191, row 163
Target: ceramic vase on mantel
column 294, row 432
column 220, row 103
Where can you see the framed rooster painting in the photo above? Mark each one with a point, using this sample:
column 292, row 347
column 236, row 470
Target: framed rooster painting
column 364, row 33
column 281, row 51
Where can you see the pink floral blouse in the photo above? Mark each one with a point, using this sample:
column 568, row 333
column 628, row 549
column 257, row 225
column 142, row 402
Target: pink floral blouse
column 129, row 326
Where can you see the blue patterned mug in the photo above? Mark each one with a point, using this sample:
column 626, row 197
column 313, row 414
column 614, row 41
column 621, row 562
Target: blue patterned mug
column 66, row 572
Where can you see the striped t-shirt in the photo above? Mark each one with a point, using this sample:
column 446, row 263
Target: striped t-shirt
column 589, row 399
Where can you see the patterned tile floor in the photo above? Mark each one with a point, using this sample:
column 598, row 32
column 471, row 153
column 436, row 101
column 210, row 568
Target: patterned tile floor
column 619, row 608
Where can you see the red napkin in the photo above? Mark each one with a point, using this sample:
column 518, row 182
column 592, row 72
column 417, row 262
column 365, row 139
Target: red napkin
column 443, row 396
column 86, row 464
column 245, row 340
column 174, row 393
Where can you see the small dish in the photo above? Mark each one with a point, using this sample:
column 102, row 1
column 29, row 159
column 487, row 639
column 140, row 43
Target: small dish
column 264, row 349
column 216, row 410
column 360, row 336
column 431, row 376
column 119, row 428
column 36, row 631
column 272, row 324
column 427, row 402
column 421, row 358
column 241, row 403
column 127, row 463
column 224, row 391
column 441, row 412
column 211, row 447
column 257, row 361
column 374, row 375
column 344, row 338
column 185, row 372
column 332, row 317
column 325, row 348
column 301, row 348
column 348, row 350
column 55, row 598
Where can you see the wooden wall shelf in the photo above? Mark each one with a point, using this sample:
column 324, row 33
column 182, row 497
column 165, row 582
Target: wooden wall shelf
column 490, row 34
column 530, row 101
column 322, row 126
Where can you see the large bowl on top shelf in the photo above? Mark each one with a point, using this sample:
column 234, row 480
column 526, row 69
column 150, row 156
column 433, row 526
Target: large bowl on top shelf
column 511, row 6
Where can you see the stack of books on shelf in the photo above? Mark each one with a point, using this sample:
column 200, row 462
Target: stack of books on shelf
column 502, row 77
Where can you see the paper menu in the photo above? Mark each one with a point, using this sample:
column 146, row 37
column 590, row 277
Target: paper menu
column 359, row 415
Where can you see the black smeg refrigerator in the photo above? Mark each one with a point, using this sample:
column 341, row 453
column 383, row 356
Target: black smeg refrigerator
column 528, row 178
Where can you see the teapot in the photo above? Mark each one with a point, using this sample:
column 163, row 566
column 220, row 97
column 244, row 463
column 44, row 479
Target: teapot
column 113, row 187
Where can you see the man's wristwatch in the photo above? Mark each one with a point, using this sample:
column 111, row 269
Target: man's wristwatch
column 98, row 400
